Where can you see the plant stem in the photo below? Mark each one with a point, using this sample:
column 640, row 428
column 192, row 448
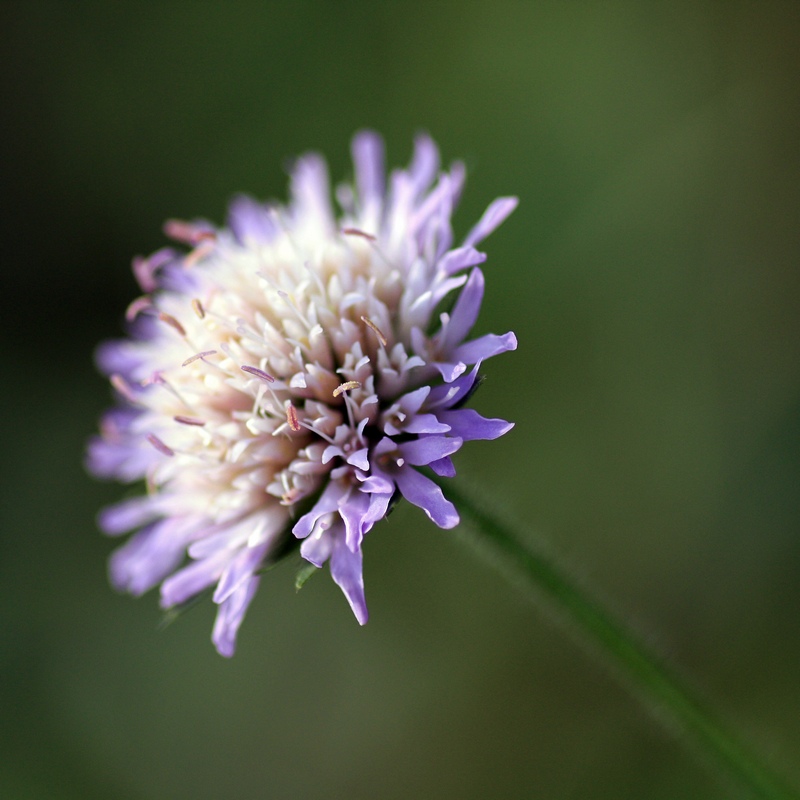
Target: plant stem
column 646, row 673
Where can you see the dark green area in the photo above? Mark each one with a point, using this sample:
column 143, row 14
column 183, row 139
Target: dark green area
column 652, row 275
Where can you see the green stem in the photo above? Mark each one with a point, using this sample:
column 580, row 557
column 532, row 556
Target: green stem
column 621, row 646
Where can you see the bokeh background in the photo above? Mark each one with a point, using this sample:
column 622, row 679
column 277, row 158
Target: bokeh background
column 651, row 274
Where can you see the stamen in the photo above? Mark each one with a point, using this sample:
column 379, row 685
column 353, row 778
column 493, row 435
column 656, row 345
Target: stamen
column 172, row 322
column 291, row 496
column 291, row 418
column 258, row 373
column 198, row 308
column 156, row 377
column 357, row 232
column 137, row 306
column 190, row 420
column 369, row 323
column 187, row 232
column 198, row 355
column 123, row 387
column 198, row 254
column 346, row 386
column 159, row 445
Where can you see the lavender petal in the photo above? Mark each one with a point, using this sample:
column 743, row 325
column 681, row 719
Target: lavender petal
column 424, row 493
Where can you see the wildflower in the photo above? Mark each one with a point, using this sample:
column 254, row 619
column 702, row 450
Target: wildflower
column 286, row 378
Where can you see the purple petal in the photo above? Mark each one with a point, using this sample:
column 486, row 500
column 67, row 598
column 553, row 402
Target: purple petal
column 491, row 219
column 124, row 460
column 346, row 571
column 250, row 220
column 352, row 511
column 460, row 258
column 421, row 452
column 485, row 347
column 424, row 163
column 148, row 557
column 375, row 485
column 328, row 502
column 469, row 424
column 359, row 459
column 191, row 580
column 412, row 402
column 444, row 467
column 230, row 615
column 317, row 548
column 423, row 492
column 310, row 190
column 465, row 312
column 450, row 394
column 378, row 506
column 240, row 569
column 367, row 150
column 450, row 370
column 424, row 423
column 127, row 515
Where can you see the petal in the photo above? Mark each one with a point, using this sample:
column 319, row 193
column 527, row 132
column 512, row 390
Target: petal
column 465, row 312
column 328, row 502
column 485, row 347
column 127, row 515
column 424, row 163
column 148, row 557
column 230, row 615
column 310, row 190
column 450, row 370
column 421, row 452
column 492, row 218
column 375, row 485
column 460, row 258
column 190, row 580
column 448, row 395
column 250, row 220
column 346, row 571
column 317, row 547
column 423, row 492
column 444, row 467
column 469, row 424
column 239, row 570
column 367, row 152
column 352, row 511
column 424, row 423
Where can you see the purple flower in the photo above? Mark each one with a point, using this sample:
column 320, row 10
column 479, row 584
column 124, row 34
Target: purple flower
column 290, row 376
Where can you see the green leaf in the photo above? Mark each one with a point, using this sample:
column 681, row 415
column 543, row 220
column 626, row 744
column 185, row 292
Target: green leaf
column 303, row 574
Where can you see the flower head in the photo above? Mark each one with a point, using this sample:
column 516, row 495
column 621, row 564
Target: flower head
column 286, row 376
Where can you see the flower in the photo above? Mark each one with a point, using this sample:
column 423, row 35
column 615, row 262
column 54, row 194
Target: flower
column 286, row 378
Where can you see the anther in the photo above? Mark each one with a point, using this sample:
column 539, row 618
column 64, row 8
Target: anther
column 198, row 355
column 370, row 324
column 159, row 445
column 344, row 387
column 291, row 418
column 172, row 322
column 198, row 308
column 187, row 232
column 189, row 420
column 123, row 387
column 137, row 306
column 198, row 254
column 258, row 373
column 358, row 232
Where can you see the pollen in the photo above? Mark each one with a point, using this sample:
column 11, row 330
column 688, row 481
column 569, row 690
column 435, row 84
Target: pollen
column 370, row 324
column 345, row 387
column 172, row 322
column 291, row 418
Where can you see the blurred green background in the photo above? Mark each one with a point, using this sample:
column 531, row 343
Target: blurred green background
column 651, row 274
